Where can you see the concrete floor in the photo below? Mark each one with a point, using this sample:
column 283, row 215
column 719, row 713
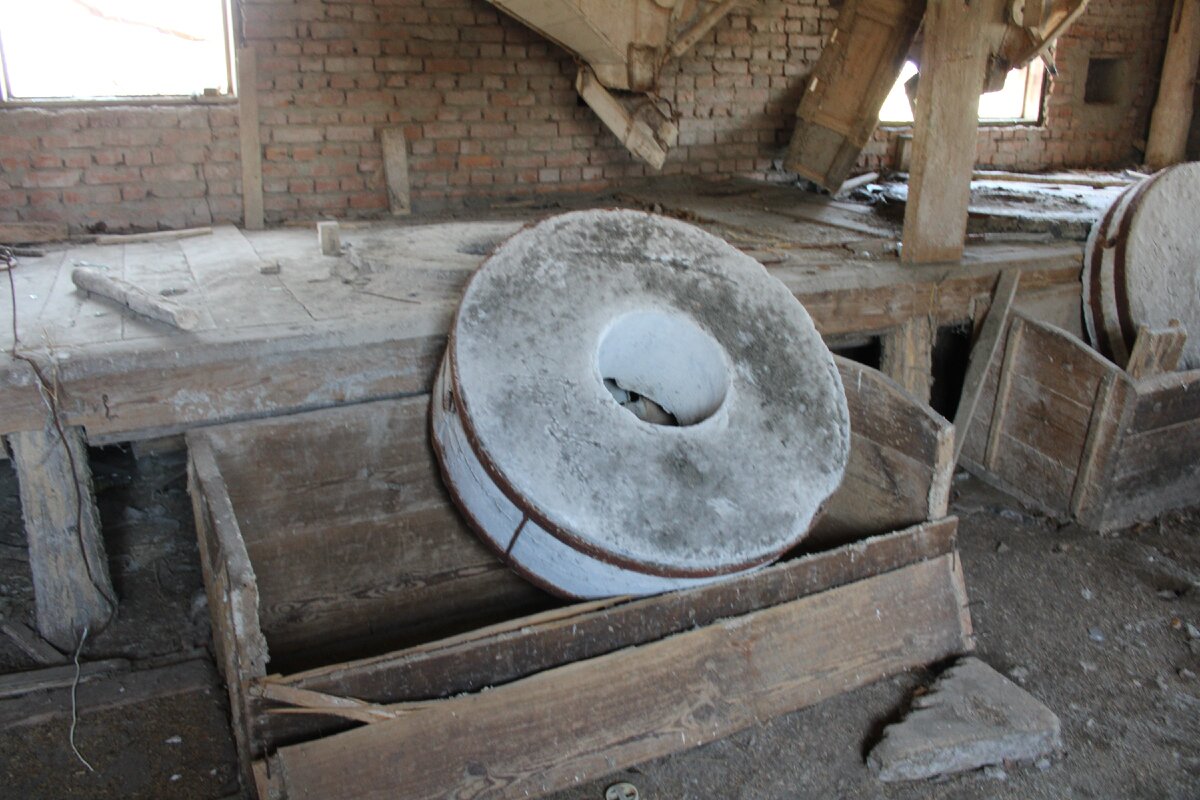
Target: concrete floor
column 1096, row 627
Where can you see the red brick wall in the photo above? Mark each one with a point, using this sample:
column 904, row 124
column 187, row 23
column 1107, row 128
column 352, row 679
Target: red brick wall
column 126, row 167
column 1072, row 133
column 489, row 111
column 488, row 107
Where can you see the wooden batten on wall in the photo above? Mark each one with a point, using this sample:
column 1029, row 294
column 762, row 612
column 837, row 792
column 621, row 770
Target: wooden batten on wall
column 251, row 145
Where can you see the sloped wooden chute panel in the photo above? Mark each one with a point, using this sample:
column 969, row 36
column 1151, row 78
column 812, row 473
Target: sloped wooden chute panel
column 857, row 68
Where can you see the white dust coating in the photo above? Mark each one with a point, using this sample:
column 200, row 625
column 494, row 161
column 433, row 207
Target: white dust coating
column 1162, row 272
column 724, row 347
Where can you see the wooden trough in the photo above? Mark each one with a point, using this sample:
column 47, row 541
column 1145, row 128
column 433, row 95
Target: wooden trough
column 1069, row 432
column 357, row 621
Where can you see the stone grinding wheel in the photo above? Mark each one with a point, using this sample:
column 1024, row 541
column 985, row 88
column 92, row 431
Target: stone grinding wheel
column 568, row 319
column 1142, row 265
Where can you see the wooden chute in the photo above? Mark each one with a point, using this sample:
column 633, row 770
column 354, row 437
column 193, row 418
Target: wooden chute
column 864, row 57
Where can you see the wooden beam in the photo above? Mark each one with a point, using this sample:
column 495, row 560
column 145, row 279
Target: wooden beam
column 953, row 65
column 1171, row 121
column 907, row 356
column 71, row 586
column 589, row 718
column 248, row 130
column 395, row 170
column 983, row 354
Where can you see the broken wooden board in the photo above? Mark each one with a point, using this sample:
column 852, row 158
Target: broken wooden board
column 509, row 651
column 900, row 461
column 858, row 66
column 254, row 523
column 1067, row 431
column 592, row 717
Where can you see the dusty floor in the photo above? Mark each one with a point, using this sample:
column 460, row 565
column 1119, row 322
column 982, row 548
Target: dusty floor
column 1096, row 627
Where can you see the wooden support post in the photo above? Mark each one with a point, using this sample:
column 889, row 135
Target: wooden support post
column 395, row 170
column 66, row 552
column 251, row 154
column 907, row 356
column 1172, row 118
column 953, row 64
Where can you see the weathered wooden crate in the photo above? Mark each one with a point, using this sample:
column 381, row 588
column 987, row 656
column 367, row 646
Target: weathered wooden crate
column 357, row 620
column 1067, row 431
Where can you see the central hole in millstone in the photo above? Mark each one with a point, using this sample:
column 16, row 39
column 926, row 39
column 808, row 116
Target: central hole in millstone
column 663, row 368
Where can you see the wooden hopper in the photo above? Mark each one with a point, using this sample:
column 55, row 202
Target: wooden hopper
column 623, row 45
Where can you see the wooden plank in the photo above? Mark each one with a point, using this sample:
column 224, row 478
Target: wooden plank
column 15, row 684
column 1170, row 122
column 102, row 691
column 907, row 356
column 983, row 353
column 1033, row 476
column 395, row 169
column 227, row 268
column 249, row 135
column 229, row 584
column 30, row 643
column 1156, row 351
column 882, row 489
column 881, row 411
column 155, row 236
column 1104, row 434
column 33, row 278
column 953, row 64
column 223, row 376
column 32, row 232
column 580, row 721
column 1003, row 387
column 1166, row 400
column 530, row 645
column 161, row 268
column 71, row 317
column 1155, row 471
column 72, row 589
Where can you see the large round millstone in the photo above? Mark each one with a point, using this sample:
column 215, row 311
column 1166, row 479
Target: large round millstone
column 1142, row 264
column 629, row 405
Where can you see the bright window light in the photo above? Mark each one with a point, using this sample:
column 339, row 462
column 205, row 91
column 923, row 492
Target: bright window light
column 1019, row 101
column 68, row 49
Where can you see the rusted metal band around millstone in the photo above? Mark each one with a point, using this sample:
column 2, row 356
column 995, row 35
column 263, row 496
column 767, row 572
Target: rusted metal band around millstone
column 530, row 510
column 1125, row 318
column 1117, row 242
column 1095, row 264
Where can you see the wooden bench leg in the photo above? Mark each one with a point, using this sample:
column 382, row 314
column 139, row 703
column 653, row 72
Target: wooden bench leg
column 71, row 584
